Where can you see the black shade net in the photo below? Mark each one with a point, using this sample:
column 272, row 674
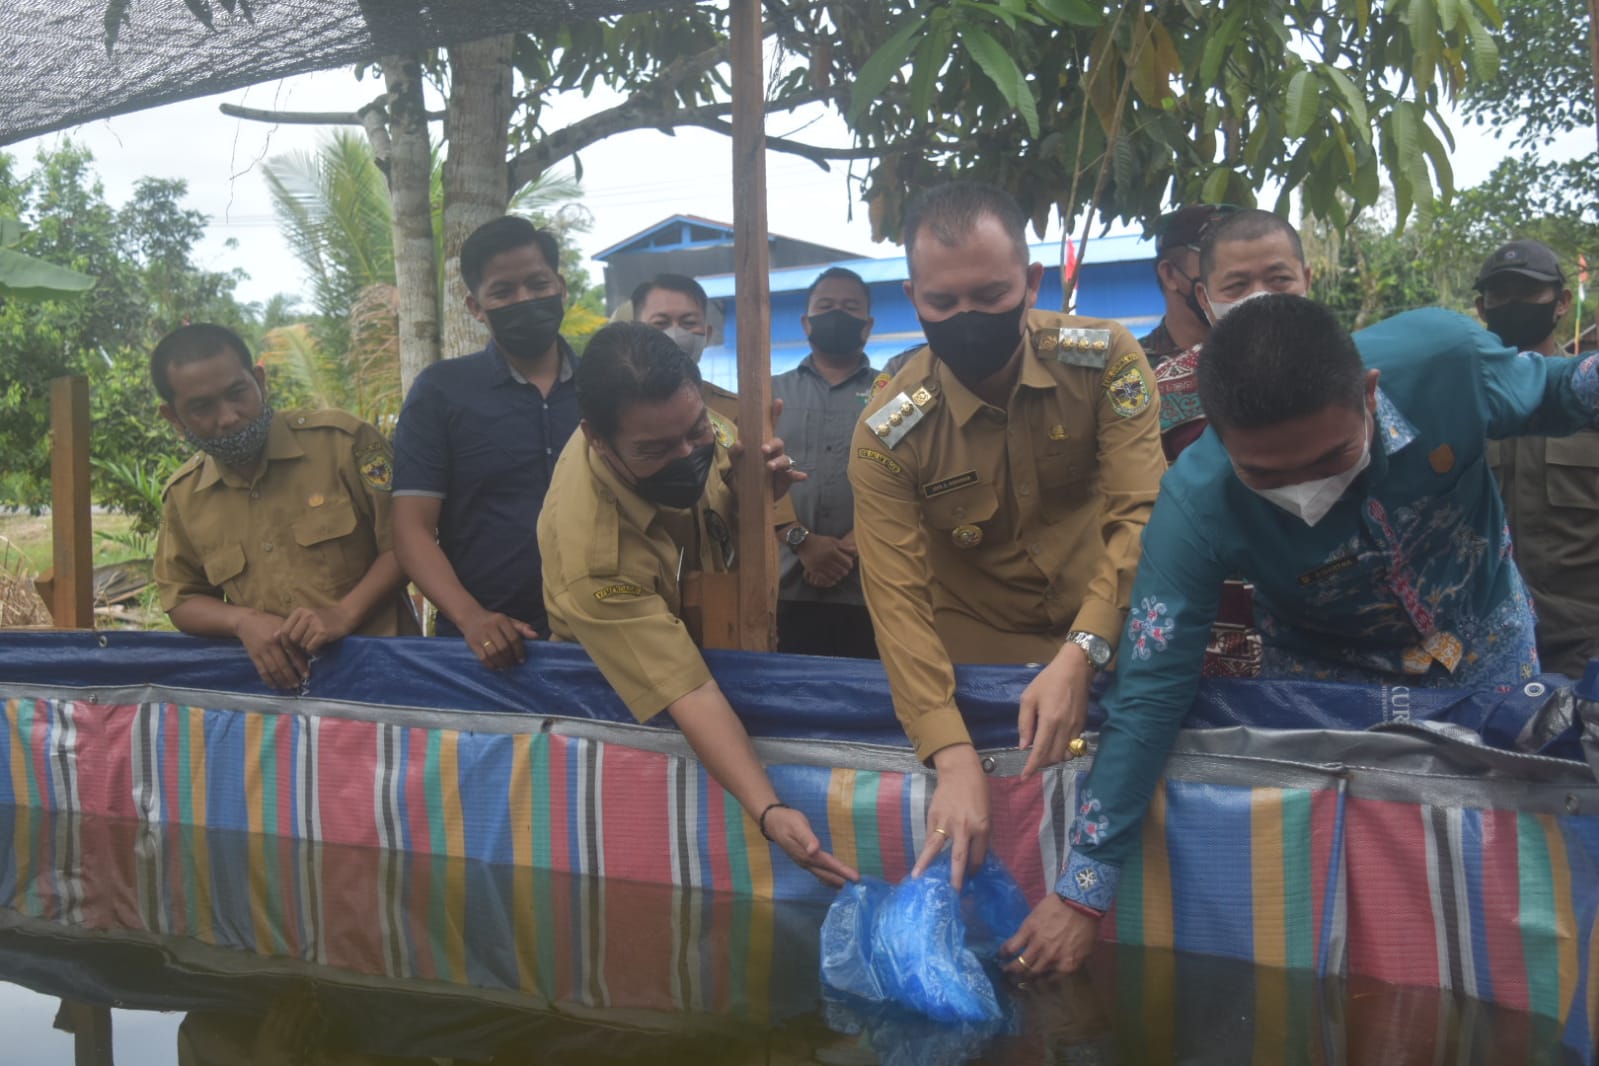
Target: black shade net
column 56, row 69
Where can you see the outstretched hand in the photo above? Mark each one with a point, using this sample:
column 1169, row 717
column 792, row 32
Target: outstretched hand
column 791, row 831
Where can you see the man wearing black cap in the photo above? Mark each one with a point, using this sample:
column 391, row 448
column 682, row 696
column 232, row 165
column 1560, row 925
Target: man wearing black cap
column 1177, row 240
column 1550, row 484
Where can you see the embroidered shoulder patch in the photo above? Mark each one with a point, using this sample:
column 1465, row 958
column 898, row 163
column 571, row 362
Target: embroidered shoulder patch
column 376, row 466
column 887, row 462
column 726, row 433
column 1129, row 393
column 610, row 592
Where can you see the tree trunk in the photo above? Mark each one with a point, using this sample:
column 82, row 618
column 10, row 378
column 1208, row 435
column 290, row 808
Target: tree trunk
column 477, row 184
column 410, row 178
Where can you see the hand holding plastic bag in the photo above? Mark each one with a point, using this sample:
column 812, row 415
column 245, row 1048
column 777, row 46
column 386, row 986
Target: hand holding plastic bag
column 920, row 945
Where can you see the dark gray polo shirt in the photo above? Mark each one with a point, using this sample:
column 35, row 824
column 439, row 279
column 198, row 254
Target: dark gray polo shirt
column 817, row 423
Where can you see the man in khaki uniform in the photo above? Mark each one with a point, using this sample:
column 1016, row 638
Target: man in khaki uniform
column 641, row 505
column 1000, row 493
column 277, row 531
column 1550, row 485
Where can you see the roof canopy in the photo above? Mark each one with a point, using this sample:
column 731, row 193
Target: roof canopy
column 57, row 70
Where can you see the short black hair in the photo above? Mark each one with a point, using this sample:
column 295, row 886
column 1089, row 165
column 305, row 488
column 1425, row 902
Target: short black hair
column 1250, row 224
column 190, row 344
column 1277, row 358
column 840, row 274
column 501, row 235
column 671, row 283
column 627, row 363
column 949, row 212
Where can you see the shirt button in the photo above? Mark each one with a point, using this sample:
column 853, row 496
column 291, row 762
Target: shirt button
column 267, row 546
column 255, row 494
column 1034, row 549
column 959, row 512
column 1024, row 490
column 300, row 421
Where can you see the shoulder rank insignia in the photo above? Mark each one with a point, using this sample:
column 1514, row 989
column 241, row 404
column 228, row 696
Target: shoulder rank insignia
column 376, row 468
column 726, row 433
column 893, row 420
column 1074, row 347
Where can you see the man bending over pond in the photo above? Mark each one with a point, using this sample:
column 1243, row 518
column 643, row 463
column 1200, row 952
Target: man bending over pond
column 640, row 506
column 1345, row 477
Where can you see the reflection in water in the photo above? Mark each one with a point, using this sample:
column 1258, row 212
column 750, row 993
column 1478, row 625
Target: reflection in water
column 332, row 956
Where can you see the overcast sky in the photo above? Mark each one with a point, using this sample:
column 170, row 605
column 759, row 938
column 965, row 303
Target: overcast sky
column 630, row 181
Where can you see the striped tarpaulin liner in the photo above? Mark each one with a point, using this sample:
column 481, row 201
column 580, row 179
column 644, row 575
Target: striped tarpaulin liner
column 1493, row 903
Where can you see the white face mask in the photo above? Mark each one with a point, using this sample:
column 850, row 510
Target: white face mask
column 1311, row 500
column 1220, row 309
column 691, row 343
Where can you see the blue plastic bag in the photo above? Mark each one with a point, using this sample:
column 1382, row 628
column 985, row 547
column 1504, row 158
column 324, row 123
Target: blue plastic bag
column 919, row 945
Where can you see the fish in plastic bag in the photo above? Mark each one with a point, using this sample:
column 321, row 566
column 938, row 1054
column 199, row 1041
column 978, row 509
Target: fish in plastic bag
column 921, row 946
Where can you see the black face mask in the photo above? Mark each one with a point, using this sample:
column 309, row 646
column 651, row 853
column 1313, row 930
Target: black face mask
column 1521, row 325
column 1191, row 297
column 837, row 332
column 526, row 330
column 976, row 344
column 680, row 482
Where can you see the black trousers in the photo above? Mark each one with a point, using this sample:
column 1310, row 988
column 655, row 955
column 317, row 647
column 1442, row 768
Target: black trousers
column 839, row 629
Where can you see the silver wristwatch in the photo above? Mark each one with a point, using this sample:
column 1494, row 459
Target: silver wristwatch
column 796, row 536
column 1096, row 648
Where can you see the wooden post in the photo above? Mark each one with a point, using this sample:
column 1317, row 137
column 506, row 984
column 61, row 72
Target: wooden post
column 757, row 545
column 72, row 604
column 90, row 1027
column 1593, row 57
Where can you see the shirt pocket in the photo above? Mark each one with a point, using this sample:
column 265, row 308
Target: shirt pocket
column 223, row 565
column 1067, row 477
column 1571, row 475
column 324, row 538
column 970, row 505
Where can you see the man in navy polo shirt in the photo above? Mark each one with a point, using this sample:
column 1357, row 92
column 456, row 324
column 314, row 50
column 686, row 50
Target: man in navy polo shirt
column 476, row 444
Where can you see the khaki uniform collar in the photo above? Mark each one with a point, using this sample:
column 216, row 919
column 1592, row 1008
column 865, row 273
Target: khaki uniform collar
column 964, row 403
column 635, row 508
column 281, row 444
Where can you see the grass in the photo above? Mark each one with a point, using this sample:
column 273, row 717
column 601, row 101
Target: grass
column 30, row 535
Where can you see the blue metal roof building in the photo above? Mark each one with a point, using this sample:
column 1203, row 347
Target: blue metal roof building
column 1116, row 280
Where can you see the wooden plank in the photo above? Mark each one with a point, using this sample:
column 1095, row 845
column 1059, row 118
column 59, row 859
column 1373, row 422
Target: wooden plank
column 757, row 546
column 72, row 602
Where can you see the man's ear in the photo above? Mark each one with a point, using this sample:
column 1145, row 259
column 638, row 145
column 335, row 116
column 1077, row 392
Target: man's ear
column 1371, row 389
column 805, row 324
column 1482, row 308
column 1563, row 304
column 1204, row 301
column 1166, row 273
column 475, row 309
column 258, row 371
column 173, row 420
column 910, row 293
column 1035, row 280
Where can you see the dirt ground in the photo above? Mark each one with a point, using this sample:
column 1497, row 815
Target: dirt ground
column 25, row 552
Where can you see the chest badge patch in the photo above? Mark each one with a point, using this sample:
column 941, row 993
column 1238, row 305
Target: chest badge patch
column 1128, row 393
column 1057, row 432
column 966, row 536
column 376, row 470
column 948, row 484
column 1442, row 459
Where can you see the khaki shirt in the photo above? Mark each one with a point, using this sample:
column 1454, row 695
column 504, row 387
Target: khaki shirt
column 613, row 568
column 987, row 535
column 1550, row 487
column 302, row 533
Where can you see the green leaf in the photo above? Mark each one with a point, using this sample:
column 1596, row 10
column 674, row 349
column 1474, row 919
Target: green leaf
column 1439, row 156
column 1354, row 100
column 1304, row 98
column 1407, row 139
column 929, row 61
column 1368, row 181
column 1218, row 43
column 1449, row 14
column 22, row 277
column 1002, row 70
column 1076, row 12
column 1484, row 49
column 1216, row 182
column 880, row 69
column 10, row 232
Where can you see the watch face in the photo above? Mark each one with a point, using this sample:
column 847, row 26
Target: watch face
column 796, row 536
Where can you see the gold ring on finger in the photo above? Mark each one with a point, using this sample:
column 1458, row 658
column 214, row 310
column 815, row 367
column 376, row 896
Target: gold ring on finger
column 1077, row 746
column 489, row 644
column 1025, row 964
column 941, row 833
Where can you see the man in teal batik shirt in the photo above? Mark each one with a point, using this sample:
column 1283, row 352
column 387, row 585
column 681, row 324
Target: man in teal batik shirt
column 1346, row 478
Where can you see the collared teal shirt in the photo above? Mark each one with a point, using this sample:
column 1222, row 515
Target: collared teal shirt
column 1409, row 579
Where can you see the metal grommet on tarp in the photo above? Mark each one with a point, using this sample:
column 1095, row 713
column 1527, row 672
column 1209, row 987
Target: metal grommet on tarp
column 1534, row 689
